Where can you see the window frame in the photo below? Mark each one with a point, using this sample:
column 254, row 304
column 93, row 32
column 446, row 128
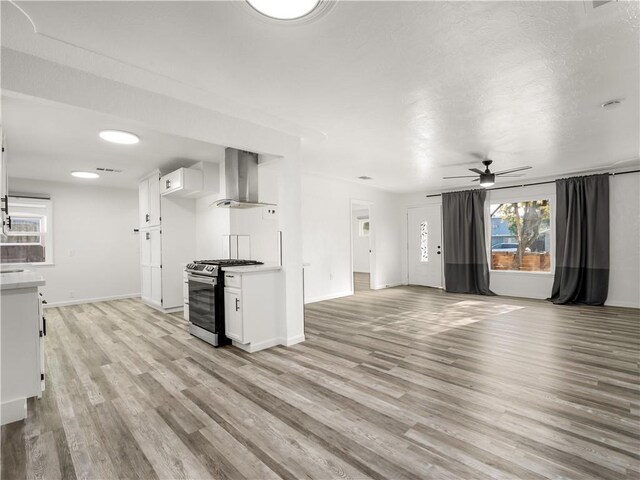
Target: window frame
column 31, row 206
column 508, row 197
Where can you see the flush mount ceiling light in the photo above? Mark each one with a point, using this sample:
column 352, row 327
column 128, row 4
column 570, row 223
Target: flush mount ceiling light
column 79, row 174
column 118, row 136
column 284, row 9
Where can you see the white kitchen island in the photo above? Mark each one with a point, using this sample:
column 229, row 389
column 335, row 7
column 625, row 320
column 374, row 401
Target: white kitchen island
column 254, row 306
column 22, row 330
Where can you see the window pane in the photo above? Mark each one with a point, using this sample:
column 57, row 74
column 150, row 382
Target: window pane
column 25, row 224
column 23, row 253
column 521, row 236
column 424, row 245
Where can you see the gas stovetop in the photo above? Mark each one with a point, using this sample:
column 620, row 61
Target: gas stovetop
column 228, row 262
column 211, row 267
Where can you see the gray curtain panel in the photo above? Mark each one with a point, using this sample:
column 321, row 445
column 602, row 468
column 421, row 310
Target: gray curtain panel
column 582, row 240
column 465, row 254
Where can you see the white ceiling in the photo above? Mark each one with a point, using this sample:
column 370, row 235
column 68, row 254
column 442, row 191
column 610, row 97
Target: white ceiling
column 401, row 91
column 48, row 141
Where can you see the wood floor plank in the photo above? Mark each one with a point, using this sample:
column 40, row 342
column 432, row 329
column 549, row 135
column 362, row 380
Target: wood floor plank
column 402, row 383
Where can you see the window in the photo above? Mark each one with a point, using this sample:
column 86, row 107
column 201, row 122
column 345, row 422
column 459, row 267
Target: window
column 424, row 242
column 364, row 227
column 29, row 240
column 521, row 236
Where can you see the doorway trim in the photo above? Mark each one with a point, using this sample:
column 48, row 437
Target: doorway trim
column 372, row 232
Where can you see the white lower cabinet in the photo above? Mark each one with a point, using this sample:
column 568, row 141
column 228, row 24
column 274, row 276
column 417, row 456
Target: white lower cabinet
column 234, row 328
column 253, row 308
column 22, row 351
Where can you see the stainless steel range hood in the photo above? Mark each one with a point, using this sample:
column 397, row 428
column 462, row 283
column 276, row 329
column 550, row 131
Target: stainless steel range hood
column 241, row 179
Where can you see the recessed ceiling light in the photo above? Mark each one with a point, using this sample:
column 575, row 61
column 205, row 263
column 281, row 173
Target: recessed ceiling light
column 284, row 9
column 364, row 177
column 85, row 174
column 611, row 104
column 118, row 136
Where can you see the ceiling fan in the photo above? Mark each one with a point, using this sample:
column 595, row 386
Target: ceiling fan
column 488, row 178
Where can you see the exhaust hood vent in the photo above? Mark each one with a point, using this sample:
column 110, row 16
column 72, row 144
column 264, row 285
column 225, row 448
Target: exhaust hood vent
column 241, row 180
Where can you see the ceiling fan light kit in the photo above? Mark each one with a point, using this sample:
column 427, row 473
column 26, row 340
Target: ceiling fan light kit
column 487, row 178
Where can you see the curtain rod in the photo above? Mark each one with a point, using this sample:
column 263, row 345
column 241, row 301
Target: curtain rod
column 536, row 183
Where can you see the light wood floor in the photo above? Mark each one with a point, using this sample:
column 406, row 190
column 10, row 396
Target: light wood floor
column 400, row 383
column 361, row 281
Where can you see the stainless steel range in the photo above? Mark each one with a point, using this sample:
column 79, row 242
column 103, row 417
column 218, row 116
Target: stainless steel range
column 206, row 298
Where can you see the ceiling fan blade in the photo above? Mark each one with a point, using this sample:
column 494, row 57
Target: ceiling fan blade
column 507, row 175
column 511, row 170
column 461, row 176
column 478, row 171
column 476, row 180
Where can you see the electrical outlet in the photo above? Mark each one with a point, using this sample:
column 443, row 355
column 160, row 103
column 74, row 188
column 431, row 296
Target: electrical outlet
column 270, row 213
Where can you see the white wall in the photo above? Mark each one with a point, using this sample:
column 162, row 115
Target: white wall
column 624, row 276
column 624, row 280
column 360, row 244
column 96, row 253
column 326, row 238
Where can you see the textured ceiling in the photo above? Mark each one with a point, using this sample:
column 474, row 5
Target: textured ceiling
column 403, row 92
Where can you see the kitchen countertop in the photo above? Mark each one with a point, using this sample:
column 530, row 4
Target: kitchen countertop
column 24, row 279
column 253, row 268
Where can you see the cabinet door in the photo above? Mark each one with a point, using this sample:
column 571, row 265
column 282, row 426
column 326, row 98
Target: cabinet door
column 145, row 278
column 156, row 285
column 145, row 248
column 233, row 315
column 143, row 204
column 155, row 247
column 171, row 181
column 154, row 201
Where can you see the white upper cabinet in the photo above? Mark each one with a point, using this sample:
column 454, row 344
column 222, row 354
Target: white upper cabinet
column 149, row 201
column 183, row 182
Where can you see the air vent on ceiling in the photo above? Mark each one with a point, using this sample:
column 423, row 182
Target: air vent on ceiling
column 108, row 170
column 364, row 177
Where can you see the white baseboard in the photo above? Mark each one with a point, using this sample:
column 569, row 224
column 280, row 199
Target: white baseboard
column 91, row 300
column 293, row 340
column 624, row 304
column 328, row 297
column 257, row 346
column 13, row 411
column 389, row 285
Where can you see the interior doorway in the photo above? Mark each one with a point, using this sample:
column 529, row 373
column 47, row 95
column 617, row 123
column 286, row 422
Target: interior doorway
column 361, row 242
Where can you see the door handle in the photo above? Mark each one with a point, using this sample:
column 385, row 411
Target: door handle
column 438, row 252
column 237, row 304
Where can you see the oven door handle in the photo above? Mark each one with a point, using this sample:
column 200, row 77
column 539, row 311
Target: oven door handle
column 208, row 281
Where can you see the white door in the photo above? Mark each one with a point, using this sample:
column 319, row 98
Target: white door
column 156, row 285
column 154, row 201
column 424, row 243
column 145, row 277
column 143, row 204
column 233, row 315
